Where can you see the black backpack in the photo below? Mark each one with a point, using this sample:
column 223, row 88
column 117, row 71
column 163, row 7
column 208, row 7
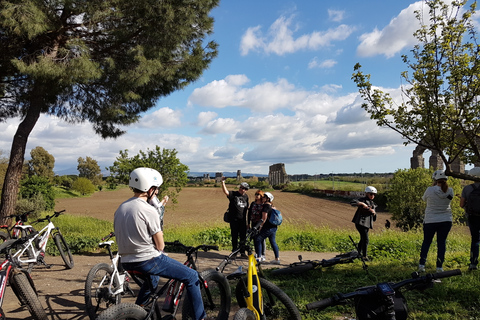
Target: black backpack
column 473, row 201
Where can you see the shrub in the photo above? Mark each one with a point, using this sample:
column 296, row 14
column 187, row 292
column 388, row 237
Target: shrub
column 33, row 185
column 83, row 186
column 36, row 203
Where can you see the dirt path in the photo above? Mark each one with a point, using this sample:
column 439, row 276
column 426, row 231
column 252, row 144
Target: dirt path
column 204, row 206
column 61, row 290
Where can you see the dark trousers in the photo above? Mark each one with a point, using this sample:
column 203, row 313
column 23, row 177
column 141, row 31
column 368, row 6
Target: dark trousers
column 238, row 229
column 363, row 244
column 441, row 229
column 474, row 226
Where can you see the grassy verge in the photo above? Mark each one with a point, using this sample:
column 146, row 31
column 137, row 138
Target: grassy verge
column 394, row 256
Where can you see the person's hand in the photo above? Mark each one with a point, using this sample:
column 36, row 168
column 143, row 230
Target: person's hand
column 224, row 178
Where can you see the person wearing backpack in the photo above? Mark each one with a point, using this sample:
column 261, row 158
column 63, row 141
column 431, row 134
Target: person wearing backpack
column 254, row 216
column 470, row 201
column 437, row 220
column 267, row 229
column 364, row 218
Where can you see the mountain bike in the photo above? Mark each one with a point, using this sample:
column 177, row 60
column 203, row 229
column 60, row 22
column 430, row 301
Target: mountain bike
column 33, row 251
column 19, row 229
column 19, row 280
column 383, row 301
column 257, row 297
column 303, row 266
column 214, row 288
column 107, row 283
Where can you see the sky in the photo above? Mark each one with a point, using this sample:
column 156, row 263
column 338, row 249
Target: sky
column 279, row 91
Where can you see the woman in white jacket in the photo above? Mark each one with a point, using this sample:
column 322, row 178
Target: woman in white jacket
column 438, row 218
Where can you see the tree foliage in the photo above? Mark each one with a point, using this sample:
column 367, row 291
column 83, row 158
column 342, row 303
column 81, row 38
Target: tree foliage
column 440, row 106
column 83, row 186
column 33, row 185
column 104, row 62
column 405, row 197
column 89, row 168
column 41, row 164
column 165, row 161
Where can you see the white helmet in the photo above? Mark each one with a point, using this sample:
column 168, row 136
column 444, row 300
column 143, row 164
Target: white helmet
column 269, row 196
column 144, row 178
column 475, row 171
column 439, row 175
column 244, row 185
column 370, row 189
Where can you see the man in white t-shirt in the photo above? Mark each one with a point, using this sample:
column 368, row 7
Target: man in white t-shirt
column 140, row 239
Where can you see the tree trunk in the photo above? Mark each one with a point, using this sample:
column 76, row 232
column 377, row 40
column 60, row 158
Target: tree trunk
column 15, row 165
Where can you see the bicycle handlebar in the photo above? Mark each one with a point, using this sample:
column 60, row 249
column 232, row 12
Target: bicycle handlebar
column 341, row 297
column 189, row 250
column 55, row 214
column 21, row 216
column 110, row 235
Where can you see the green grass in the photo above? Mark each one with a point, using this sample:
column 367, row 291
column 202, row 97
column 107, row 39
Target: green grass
column 330, row 185
column 394, row 256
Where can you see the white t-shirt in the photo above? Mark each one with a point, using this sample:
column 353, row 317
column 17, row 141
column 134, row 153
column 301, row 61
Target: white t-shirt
column 135, row 222
column 438, row 204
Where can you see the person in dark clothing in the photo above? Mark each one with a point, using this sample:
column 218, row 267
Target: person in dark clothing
column 267, row 229
column 364, row 218
column 473, row 219
column 238, row 207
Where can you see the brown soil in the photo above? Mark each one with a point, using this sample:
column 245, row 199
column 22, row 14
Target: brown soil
column 62, row 291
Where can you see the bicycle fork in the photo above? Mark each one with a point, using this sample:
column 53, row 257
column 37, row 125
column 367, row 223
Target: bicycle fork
column 252, row 290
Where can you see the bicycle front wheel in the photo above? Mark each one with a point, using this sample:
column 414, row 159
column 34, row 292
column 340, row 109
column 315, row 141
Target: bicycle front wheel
column 123, row 311
column 276, row 303
column 216, row 297
column 244, row 314
column 27, row 295
column 64, row 250
column 98, row 295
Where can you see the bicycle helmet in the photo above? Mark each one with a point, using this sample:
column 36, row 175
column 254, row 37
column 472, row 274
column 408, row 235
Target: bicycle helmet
column 370, row 189
column 269, row 196
column 244, row 185
column 144, row 178
column 474, row 172
column 439, row 175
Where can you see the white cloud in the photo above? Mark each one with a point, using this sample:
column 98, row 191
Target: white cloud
column 394, row 37
column 280, row 38
column 205, row 117
column 336, row 15
column 161, row 118
column 325, row 64
column 264, row 97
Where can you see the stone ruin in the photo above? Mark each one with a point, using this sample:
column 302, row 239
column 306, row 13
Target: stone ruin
column 239, row 175
column 435, row 161
column 218, row 177
column 277, row 174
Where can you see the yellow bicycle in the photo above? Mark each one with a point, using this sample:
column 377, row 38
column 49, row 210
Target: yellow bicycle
column 257, row 297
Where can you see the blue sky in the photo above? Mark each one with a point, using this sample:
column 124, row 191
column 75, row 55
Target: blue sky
column 280, row 90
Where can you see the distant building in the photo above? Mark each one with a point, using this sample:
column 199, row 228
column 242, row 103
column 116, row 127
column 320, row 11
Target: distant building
column 277, row 174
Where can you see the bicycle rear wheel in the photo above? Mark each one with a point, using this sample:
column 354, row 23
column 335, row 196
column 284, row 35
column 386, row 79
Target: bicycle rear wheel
column 27, row 295
column 219, row 290
column 276, row 303
column 64, row 250
column 98, row 297
column 294, row 269
column 123, row 311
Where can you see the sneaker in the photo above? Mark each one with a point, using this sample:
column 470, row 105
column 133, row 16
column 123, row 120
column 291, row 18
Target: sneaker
column 440, row 269
column 472, row 267
column 262, row 259
column 421, row 268
column 275, row 261
column 243, row 255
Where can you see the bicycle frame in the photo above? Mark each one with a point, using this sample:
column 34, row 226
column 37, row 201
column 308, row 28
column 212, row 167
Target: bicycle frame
column 36, row 251
column 116, row 276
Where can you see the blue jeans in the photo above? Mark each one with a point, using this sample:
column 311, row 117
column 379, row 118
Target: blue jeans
column 429, row 229
column 474, row 226
column 169, row 268
column 264, row 234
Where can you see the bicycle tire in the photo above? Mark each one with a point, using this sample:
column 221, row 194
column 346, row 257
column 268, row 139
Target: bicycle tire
column 64, row 250
column 123, row 311
column 276, row 303
column 219, row 289
column 27, row 296
column 294, row 269
column 97, row 296
column 2, row 314
column 244, row 314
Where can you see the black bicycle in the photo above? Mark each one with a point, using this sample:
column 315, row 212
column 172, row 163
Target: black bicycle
column 383, row 301
column 215, row 292
column 305, row 265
